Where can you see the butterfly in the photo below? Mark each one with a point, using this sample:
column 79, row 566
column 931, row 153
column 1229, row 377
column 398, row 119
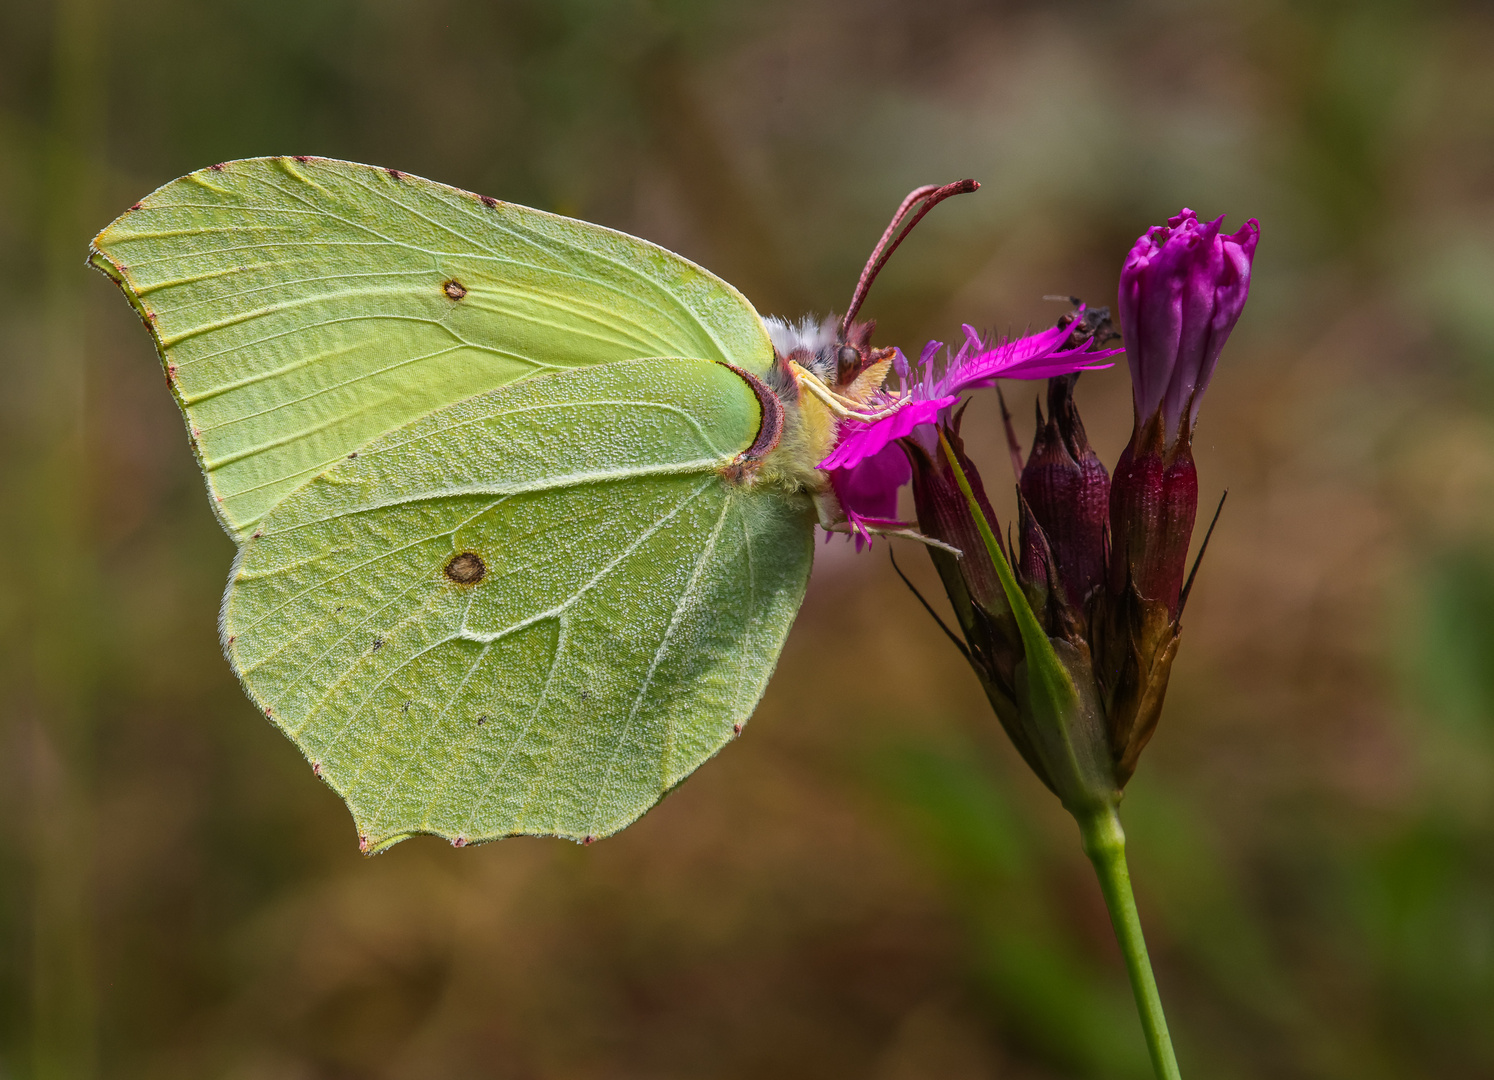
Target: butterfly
column 524, row 506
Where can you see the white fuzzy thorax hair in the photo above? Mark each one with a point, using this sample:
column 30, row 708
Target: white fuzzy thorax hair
column 811, row 333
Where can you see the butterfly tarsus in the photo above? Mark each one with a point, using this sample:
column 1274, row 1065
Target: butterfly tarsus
column 841, row 406
column 898, row 528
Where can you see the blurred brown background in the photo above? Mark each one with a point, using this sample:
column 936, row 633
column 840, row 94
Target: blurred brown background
column 868, row 884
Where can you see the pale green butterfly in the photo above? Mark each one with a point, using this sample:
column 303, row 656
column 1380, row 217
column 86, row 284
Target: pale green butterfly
column 524, row 505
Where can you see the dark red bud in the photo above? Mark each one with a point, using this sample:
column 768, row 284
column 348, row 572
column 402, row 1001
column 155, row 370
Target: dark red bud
column 1067, row 488
column 1035, row 566
column 944, row 514
column 1153, row 501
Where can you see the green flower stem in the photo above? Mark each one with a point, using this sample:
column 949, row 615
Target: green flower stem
column 1105, row 844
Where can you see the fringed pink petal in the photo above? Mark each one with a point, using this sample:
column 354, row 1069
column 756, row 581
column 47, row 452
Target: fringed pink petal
column 860, row 441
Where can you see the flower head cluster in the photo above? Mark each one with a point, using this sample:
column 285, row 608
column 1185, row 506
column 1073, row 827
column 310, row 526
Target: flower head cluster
column 1097, row 572
column 1072, row 629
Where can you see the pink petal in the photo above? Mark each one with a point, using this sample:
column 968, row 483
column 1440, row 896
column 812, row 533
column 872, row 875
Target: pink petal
column 1037, row 356
column 862, row 441
column 868, row 490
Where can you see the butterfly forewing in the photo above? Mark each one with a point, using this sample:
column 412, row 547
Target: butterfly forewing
column 303, row 307
column 531, row 612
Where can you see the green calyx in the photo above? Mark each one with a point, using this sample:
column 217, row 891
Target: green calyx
column 1057, row 703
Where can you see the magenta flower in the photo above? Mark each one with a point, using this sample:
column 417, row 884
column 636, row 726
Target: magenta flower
column 933, row 387
column 1072, row 624
column 1182, row 289
column 868, row 492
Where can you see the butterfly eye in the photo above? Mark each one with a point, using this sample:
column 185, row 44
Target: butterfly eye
column 848, row 360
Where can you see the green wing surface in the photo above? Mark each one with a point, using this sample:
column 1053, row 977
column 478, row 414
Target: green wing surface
column 304, row 306
column 629, row 603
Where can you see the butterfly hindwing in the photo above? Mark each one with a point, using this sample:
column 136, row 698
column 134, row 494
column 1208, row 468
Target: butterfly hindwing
column 304, row 306
column 534, row 611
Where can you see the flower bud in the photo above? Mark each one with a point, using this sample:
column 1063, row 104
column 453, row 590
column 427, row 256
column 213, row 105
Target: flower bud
column 1153, row 502
column 1182, row 289
column 1068, row 491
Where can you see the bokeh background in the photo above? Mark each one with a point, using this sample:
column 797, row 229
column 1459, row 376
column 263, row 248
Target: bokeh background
column 868, row 884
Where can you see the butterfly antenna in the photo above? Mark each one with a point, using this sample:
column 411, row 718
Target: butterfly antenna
column 925, row 199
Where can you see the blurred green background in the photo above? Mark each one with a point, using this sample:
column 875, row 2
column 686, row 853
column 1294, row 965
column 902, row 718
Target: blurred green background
column 868, row 884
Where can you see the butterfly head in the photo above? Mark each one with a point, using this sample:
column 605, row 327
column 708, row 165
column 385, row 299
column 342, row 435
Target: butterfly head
column 825, row 371
column 837, row 358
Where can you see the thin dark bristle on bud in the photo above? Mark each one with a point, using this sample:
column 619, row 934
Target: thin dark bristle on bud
column 930, row 196
column 1013, row 444
column 954, row 638
column 1199, row 558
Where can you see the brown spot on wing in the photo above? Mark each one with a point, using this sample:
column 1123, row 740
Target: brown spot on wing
column 466, row 568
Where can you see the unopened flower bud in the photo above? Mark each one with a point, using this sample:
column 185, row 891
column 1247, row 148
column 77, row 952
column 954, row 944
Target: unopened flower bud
column 1068, row 490
column 1182, row 289
column 1153, row 502
column 1181, row 292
